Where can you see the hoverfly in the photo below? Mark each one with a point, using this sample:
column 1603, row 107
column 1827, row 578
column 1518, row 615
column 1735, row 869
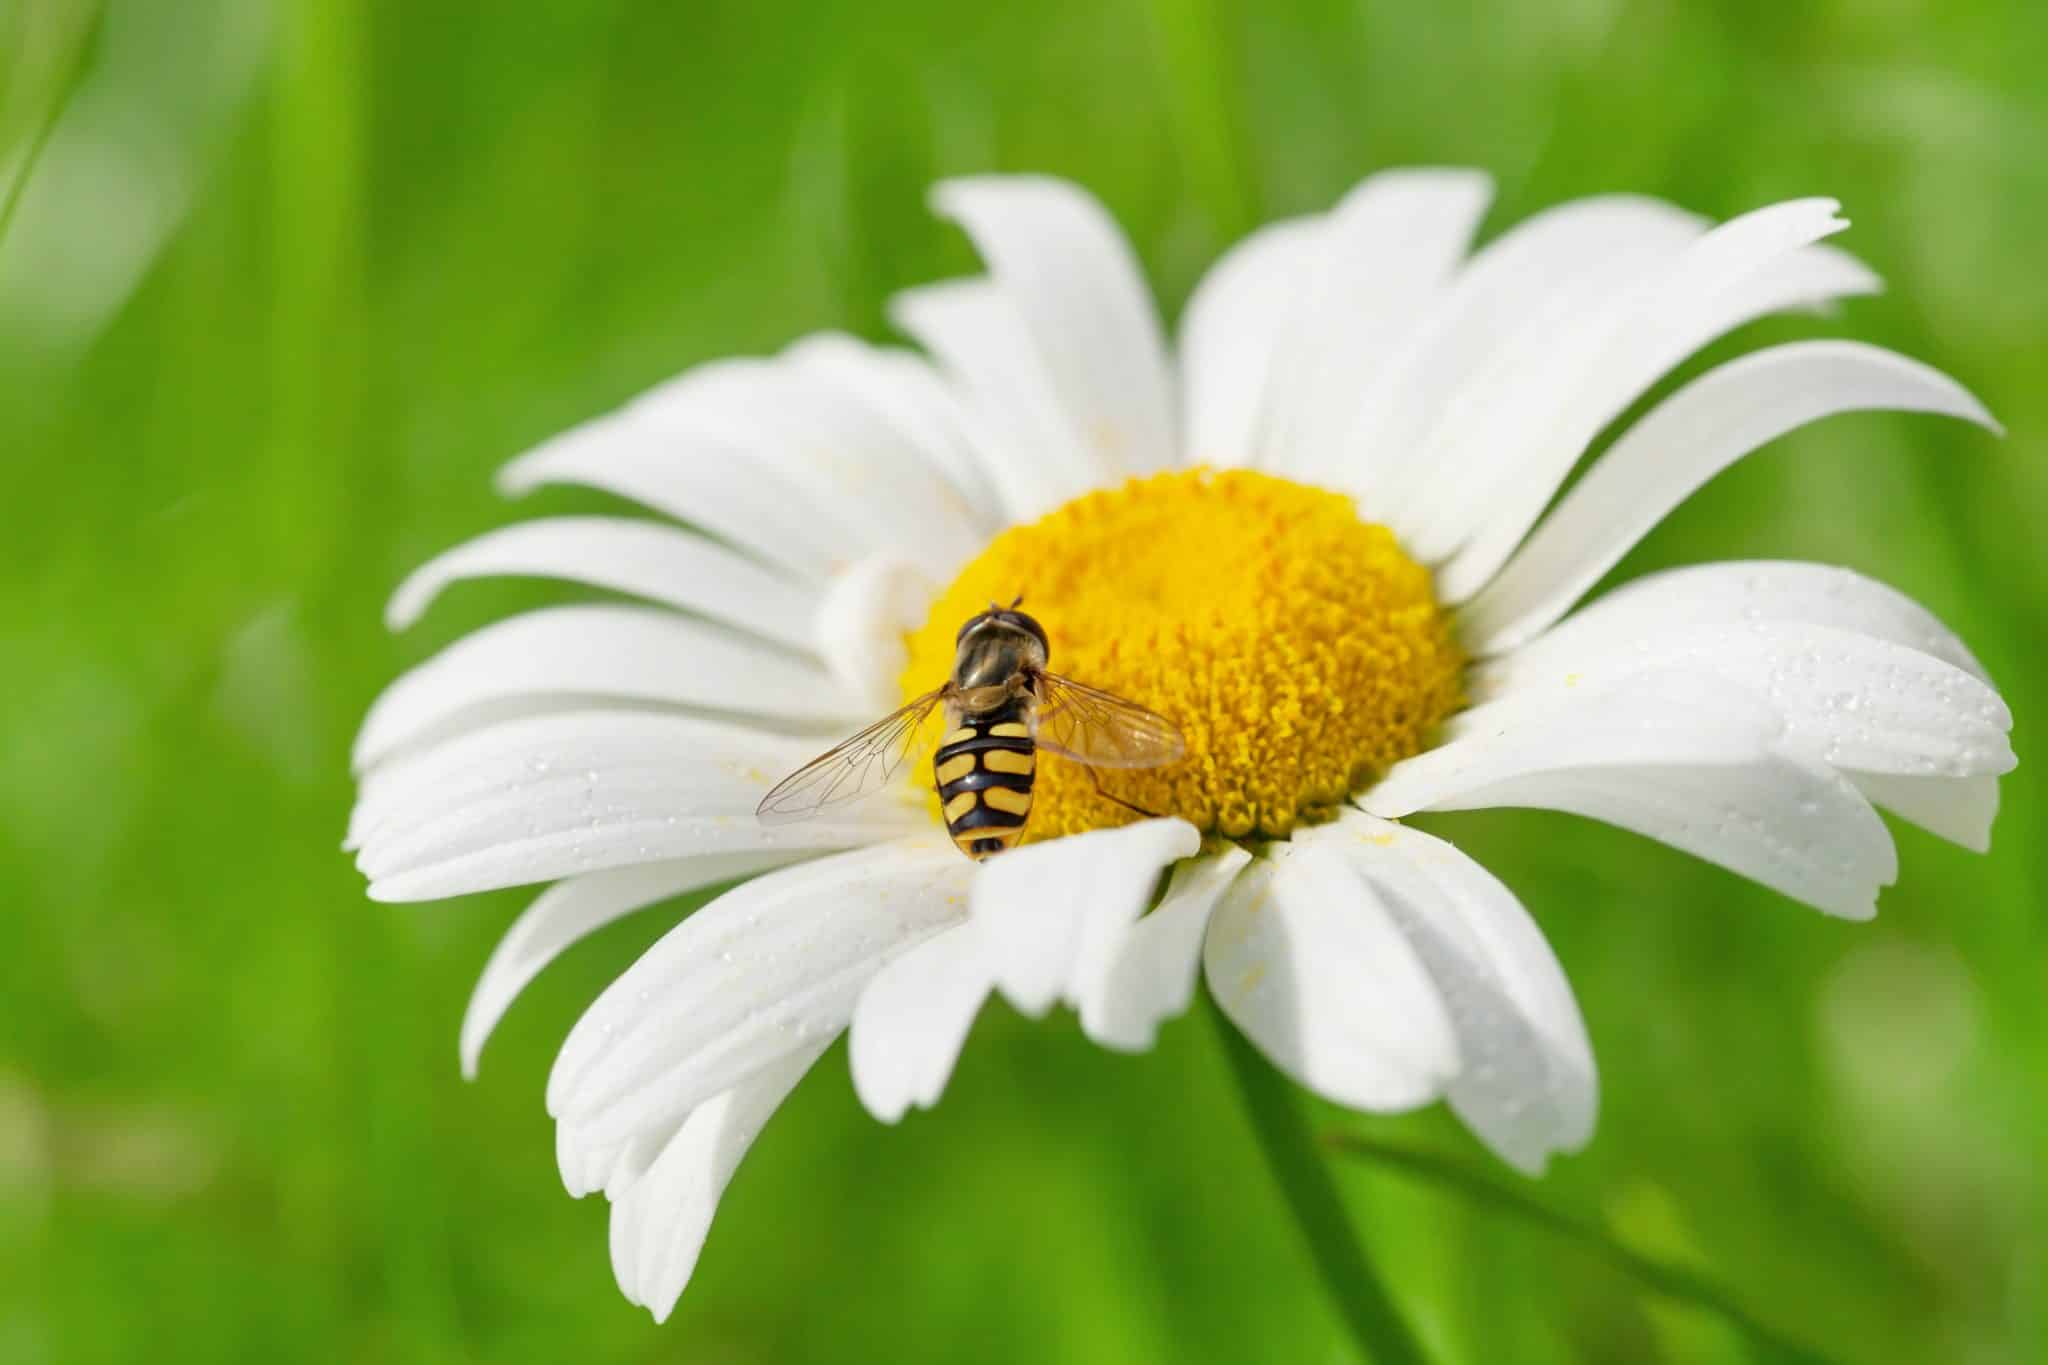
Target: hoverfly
column 1002, row 706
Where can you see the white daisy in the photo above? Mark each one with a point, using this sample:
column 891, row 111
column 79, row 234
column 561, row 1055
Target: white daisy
column 1316, row 538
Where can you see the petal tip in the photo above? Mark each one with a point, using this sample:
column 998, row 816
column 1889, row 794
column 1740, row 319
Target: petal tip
column 409, row 602
column 518, row 477
column 883, row 1106
column 476, row 1031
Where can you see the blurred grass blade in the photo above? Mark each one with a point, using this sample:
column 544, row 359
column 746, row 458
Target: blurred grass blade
column 122, row 159
column 1672, row 1281
column 47, row 47
column 1204, row 100
column 1312, row 1197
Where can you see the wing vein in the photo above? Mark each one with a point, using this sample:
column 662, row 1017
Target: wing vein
column 848, row 771
column 1101, row 729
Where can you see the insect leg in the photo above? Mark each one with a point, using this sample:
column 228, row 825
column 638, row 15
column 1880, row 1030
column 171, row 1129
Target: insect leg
column 1107, row 794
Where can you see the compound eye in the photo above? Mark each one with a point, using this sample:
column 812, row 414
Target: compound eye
column 1019, row 619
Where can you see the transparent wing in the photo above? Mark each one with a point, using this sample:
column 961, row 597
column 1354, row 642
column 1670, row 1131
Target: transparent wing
column 1101, row 729
column 847, row 772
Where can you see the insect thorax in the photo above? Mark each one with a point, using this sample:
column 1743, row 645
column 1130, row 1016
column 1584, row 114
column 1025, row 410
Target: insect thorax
column 991, row 652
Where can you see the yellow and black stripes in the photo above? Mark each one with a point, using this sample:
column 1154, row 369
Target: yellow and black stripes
column 984, row 771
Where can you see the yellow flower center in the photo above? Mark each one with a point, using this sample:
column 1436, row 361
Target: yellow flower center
column 1298, row 649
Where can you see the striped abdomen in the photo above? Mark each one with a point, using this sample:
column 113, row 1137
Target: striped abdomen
column 983, row 770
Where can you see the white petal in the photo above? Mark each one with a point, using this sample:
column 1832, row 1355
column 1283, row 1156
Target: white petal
column 1230, row 336
column 630, row 1162
column 611, row 1168
column 628, row 653
column 1848, row 699
column 720, row 490
column 572, row 910
column 631, row 831
column 765, row 452
column 1526, row 1084
column 860, row 473
column 512, row 756
column 1306, row 960
column 976, row 333
column 582, row 791
column 1057, row 253
column 903, row 388
column 1685, row 441
column 638, row 557
column 584, row 1168
column 1502, row 470
column 1053, row 913
column 913, row 1018
column 1685, row 759
column 660, row 1222
column 768, row 969
column 1499, row 314
column 1383, row 255
column 1745, row 591
column 1151, row 978
column 862, row 623
column 1658, row 717
column 1958, row 809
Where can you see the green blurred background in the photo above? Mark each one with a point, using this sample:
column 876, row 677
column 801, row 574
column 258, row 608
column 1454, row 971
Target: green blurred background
column 286, row 282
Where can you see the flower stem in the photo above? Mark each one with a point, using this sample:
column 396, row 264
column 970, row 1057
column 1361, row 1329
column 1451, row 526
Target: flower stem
column 1672, row 1281
column 1297, row 1164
